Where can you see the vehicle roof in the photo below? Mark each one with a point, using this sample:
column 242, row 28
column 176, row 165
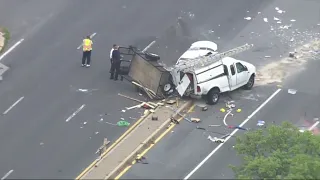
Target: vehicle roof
column 228, row 60
column 208, row 44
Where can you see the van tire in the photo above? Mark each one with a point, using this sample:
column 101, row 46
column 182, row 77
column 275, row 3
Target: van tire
column 213, row 96
column 250, row 83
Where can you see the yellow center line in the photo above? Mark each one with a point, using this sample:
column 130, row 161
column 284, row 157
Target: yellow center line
column 172, row 125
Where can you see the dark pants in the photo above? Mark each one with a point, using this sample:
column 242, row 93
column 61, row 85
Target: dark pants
column 115, row 67
column 86, row 57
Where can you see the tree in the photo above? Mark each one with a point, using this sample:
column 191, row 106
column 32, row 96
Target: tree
column 278, row 152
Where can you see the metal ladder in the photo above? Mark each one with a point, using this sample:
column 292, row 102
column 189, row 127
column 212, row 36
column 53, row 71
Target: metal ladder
column 207, row 60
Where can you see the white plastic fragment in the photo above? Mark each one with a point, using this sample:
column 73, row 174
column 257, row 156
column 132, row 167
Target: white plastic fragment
column 97, row 132
column 265, row 19
column 293, row 20
column 267, row 56
column 279, row 22
column 123, row 110
column 292, row 91
column 83, row 90
column 259, row 12
column 84, row 123
column 276, row 19
column 247, row 18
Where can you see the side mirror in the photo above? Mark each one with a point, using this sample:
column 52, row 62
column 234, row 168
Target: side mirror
column 245, row 68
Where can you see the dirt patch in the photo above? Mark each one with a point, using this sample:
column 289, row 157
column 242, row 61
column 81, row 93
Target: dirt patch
column 276, row 72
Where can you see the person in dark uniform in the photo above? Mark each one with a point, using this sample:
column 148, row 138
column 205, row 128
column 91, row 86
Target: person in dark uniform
column 116, row 61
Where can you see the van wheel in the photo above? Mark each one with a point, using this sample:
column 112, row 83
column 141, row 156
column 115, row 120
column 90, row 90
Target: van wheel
column 250, row 83
column 213, row 96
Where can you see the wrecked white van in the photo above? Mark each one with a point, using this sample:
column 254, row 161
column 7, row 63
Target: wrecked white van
column 222, row 74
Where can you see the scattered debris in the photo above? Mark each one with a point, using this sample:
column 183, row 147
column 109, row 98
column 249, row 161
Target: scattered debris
column 292, row 91
column 111, row 123
column 215, row 139
column 173, row 120
column 96, row 132
column 205, row 108
column 137, row 100
column 237, row 127
column 293, row 20
column 218, row 125
column 198, row 127
column 103, row 147
column 239, row 110
column 195, row 120
column 179, row 114
column 267, row 56
column 265, row 19
column 279, row 10
column 84, row 123
column 81, row 127
column 41, row 143
column 154, row 118
column 123, row 123
column 123, row 110
column 83, row 90
column 222, row 110
column 101, row 120
column 247, row 18
column 260, row 123
column 292, row 54
column 171, row 102
column 141, row 159
column 276, row 19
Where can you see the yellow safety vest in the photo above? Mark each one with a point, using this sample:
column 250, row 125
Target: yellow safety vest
column 87, row 45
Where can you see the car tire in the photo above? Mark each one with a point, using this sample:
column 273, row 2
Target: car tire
column 213, row 96
column 250, row 83
column 168, row 89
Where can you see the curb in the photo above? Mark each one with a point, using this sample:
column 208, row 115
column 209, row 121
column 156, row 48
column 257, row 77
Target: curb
column 122, row 137
column 145, row 144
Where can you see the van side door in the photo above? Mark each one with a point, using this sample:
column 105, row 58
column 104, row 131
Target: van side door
column 242, row 74
column 232, row 77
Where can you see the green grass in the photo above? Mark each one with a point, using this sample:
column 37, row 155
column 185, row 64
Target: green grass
column 6, row 36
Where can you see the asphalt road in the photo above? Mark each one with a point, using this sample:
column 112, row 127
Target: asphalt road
column 45, row 75
column 179, row 152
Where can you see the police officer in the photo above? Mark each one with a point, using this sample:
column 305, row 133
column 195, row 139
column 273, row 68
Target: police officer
column 87, row 48
column 116, row 61
column 113, row 47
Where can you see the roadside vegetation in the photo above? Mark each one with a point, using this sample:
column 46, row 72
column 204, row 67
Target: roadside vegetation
column 6, row 36
column 278, row 152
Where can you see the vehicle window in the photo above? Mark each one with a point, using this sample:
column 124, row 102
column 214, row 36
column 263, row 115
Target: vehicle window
column 240, row 67
column 233, row 72
column 225, row 69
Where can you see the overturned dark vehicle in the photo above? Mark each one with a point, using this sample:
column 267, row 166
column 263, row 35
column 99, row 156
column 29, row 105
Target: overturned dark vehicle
column 145, row 72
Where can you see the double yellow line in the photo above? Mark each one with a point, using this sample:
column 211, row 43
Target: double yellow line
column 155, row 142
column 112, row 146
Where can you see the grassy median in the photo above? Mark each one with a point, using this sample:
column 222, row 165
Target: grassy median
column 6, row 38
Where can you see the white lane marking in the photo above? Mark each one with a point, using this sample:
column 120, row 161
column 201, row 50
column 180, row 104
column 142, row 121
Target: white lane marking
column 7, row 174
column 91, row 36
column 10, row 49
column 146, row 48
column 13, row 105
column 75, row 113
column 243, row 123
column 314, row 125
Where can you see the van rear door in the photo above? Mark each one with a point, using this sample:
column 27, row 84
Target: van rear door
column 183, row 85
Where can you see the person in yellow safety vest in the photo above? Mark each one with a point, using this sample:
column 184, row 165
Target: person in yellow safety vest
column 87, row 48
